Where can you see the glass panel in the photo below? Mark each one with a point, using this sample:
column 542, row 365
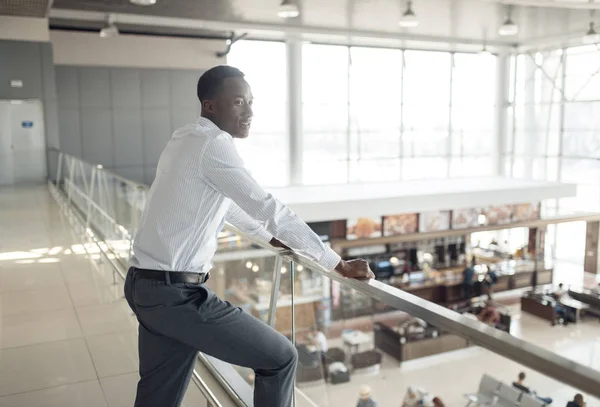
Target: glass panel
column 378, row 170
column 269, row 135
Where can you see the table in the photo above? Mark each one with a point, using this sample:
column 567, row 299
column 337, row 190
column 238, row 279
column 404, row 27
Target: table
column 574, row 306
column 354, row 339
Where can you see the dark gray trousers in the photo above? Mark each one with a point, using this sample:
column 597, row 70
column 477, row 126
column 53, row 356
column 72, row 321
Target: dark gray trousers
column 178, row 320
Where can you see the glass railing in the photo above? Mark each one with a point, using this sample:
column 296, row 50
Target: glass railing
column 358, row 337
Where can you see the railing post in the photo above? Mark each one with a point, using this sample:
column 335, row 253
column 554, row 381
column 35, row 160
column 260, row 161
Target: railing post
column 292, row 276
column 70, row 192
column 275, row 291
column 59, row 169
column 90, row 198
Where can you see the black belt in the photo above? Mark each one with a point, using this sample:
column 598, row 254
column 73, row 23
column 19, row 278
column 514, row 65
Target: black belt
column 172, row 276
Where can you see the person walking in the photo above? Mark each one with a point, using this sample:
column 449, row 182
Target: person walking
column 200, row 183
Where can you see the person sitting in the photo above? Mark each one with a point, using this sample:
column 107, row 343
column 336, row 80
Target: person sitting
column 519, row 384
column 318, row 340
column 365, row 399
column 431, row 401
column 413, row 397
column 489, row 314
column 577, row 401
column 562, row 311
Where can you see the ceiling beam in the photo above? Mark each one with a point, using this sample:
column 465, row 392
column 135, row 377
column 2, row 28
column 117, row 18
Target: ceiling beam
column 273, row 29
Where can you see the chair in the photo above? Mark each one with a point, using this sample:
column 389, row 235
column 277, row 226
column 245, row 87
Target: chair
column 508, row 395
column 335, row 355
column 489, row 386
column 529, row 401
column 366, row 359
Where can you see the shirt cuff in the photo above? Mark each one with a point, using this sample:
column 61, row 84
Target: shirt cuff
column 264, row 235
column 330, row 260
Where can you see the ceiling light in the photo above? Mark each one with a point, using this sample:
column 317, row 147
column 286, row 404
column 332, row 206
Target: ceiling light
column 484, row 52
column 255, row 268
column 409, row 18
column 143, row 2
column 591, row 36
column 249, row 264
column 288, row 9
column 508, row 28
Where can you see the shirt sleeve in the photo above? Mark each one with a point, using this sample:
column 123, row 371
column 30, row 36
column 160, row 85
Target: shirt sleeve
column 223, row 169
column 241, row 220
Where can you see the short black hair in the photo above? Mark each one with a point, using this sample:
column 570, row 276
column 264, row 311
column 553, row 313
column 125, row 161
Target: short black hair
column 211, row 81
column 522, row 376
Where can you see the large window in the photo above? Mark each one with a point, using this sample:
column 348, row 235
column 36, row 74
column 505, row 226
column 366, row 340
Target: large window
column 371, row 114
column 556, row 123
column 384, row 114
column 269, row 134
column 325, row 114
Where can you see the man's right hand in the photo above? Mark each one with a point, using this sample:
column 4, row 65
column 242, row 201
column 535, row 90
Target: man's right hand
column 358, row 269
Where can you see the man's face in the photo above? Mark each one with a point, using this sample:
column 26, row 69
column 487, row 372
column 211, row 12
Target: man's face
column 232, row 107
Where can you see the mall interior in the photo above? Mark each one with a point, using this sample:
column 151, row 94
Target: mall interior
column 453, row 144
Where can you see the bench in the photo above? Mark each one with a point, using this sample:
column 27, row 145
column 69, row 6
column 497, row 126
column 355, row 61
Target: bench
column 498, row 394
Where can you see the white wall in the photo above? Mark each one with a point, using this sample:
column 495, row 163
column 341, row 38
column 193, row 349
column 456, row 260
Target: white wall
column 24, row 29
column 134, row 51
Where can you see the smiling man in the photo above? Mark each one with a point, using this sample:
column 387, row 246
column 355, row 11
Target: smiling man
column 200, row 183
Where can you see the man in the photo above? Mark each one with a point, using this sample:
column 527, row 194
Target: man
column 577, row 401
column 200, row 183
column 364, row 398
column 520, row 384
column 468, row 275
column 489, row 314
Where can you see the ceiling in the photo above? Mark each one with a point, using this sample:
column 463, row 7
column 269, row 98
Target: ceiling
column 442, row 21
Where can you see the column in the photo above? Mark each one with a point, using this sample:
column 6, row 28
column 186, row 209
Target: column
column 502, row 86
column 294, row 95
column 592, row 247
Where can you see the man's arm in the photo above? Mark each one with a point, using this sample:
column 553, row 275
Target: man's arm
column 240, row 219
column 223, row 169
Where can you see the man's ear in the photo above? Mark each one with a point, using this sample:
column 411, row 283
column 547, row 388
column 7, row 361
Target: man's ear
column 208, row 106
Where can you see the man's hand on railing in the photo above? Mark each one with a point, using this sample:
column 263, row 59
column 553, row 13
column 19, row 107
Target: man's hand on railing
column 276, row 243
column 358, row 269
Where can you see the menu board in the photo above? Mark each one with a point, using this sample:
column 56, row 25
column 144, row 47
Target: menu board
column 465, row 218
column 363, row 228
column 527, row 211
column 400, row 224
column 434, row 221
column 498, row 215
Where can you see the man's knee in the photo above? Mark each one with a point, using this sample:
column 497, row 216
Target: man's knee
column 287, row 355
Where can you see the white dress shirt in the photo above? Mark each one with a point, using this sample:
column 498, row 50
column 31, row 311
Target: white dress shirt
column 200, row 183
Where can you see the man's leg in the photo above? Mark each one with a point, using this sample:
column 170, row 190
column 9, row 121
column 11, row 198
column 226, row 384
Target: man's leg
column 198, row 318
column 166, row 366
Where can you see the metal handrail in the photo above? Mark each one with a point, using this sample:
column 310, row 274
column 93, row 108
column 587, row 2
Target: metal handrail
column 499, row 342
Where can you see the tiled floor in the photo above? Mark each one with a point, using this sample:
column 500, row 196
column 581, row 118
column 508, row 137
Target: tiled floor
column 68, row 339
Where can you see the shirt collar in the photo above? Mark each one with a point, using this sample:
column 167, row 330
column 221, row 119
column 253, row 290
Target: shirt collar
column 207, row 123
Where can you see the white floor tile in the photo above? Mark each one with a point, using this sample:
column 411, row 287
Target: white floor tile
column 120, row 390
column 46, row 365
column 86, row 295
column 106, row 318
column 114, row 354
column 39, row 327
column 86, row 394
column 30, row 277
column 80, row 272
column 23, row 302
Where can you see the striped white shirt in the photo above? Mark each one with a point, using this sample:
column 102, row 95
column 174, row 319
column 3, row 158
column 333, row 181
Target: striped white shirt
column 200, row 183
